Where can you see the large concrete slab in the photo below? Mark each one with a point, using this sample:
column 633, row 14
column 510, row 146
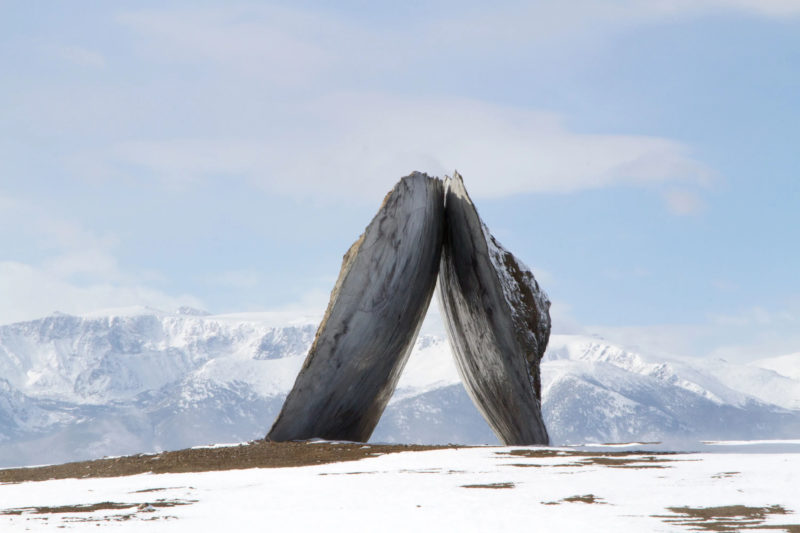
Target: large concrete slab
column 497, row 319
column 376, row 309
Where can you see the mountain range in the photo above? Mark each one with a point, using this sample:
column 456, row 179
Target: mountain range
column 140, row 380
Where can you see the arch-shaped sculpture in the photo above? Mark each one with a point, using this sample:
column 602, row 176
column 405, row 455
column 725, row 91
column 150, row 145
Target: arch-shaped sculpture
column 496, row 315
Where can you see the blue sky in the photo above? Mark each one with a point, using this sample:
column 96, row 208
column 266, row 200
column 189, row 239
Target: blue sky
column 642, row 157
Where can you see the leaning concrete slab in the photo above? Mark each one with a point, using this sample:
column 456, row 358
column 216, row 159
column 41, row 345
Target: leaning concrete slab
column 497, row 319
column 373, row 317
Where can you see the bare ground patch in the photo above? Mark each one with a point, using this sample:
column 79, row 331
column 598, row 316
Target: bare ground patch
column 159, row 489
column 92, row 507
column 723, row 475
column 585, row 498
column 142, row 511
column 728, row 518
column 256, row 454
column 620, row 459
column 502, row 485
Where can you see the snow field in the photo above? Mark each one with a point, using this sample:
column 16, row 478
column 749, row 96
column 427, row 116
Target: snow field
column 424, row 491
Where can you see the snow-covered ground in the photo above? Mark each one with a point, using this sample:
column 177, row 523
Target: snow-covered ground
column 467, row 489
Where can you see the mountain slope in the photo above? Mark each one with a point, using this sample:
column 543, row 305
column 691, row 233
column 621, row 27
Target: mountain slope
column 597, row 392
column 786, row 365
column 140, row 380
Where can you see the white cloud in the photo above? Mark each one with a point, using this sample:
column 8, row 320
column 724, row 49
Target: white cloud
column 360, row 144
column 543, row 25
column 683, row 202
column 658, row 339
column 290, row 45
column 770, row 8
column 758, row 316
column 29, row 292
column 75, row 270
column 284, row 46
column 534, row 21
column 305, row 134
column 236, row 279
column 750, row 334
column 563, row 323
column 309, row 307
column 96, row 263
column 48, row 232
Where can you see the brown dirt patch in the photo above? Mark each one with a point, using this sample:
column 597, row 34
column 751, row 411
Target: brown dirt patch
column 586, row 498
column 619, row 459
column 92, row 507
column 256, row 454
column 728, row 518
column 503, row 485
column 547, row 452
column 158, row 489
column 622, row 462
column 723, row 475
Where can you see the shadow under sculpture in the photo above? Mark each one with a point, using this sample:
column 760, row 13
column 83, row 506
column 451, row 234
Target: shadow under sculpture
column 376, row 309
column 497, row 320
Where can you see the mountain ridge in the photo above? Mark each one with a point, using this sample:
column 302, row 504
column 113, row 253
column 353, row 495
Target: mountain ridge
column 81, row 387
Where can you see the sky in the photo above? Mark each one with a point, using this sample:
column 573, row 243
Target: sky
column 641, row 156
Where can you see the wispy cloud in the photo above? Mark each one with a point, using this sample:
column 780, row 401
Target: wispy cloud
column 753, row 333
column 361, row 143
column 311, row 104
column 332, row 141
column 683, row 202
column 531, row 22
column 72, row 269
column 289, row 44
column 757, row 316
column 49, row 232
column 37, row 292
column 284, row 46
column 236, row 279
column 770, row 8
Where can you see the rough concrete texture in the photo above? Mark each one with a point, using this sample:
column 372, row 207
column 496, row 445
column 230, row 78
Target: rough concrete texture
column 497, row 320
column 376, row 309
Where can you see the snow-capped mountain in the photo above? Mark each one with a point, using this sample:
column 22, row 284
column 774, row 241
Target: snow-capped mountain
column 139, row 380
column 786, row 365
column 597, row 392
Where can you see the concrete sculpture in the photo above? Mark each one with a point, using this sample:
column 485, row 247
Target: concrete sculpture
column 496, row 315
column 375, row 311
column 497, row 320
